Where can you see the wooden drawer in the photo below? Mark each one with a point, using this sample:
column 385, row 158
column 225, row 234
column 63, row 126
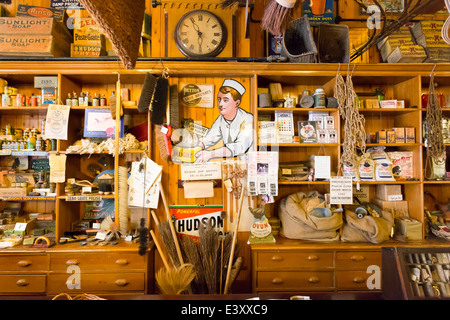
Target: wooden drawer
column 93, row 282
column 294, row 259
column 26, row 263
column 295, row 280
column 354, row 280
column 357, row 260
column 98, row 261
column 22, row 283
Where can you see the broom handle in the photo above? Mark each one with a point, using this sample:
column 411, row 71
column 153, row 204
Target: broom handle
column 172, row 229
column 161, row 253
column 233, row 245
column 116, row 152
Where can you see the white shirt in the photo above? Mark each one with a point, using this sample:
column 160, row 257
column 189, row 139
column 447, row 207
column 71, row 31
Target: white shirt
column 237, row 134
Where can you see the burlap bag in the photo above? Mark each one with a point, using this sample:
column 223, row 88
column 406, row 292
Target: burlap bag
column 367, row 229
column 297, row 223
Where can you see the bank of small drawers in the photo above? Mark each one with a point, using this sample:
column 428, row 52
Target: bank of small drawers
column 297, row 270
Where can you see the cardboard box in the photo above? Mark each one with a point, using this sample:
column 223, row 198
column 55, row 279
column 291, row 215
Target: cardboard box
column 388, row 104
column 407, row 54
column 13, row 192
column 402, row 164
column 362, row 194
column 390, row 136
column 33, row 46
column 24, row 10
column 35, row 26
column 372, row 103
column 382, row 136
column 410, row 135
column 89, row 37
column 82, row 51
column 410, row 228
column 397, row 208
column 399, row 135
column 392, row 43
column 389, row 192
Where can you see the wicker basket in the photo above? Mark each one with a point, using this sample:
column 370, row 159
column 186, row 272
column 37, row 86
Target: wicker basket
column 298, row 42
column 333, row 43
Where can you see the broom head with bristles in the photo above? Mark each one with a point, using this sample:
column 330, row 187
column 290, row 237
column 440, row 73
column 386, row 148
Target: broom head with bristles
column 175, row 280
column 277, row 16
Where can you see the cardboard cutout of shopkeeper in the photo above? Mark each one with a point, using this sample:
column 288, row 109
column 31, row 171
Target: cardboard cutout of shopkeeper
column 234, row 126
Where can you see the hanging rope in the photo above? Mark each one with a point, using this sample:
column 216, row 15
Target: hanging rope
column 435, row 141
column 354, row 122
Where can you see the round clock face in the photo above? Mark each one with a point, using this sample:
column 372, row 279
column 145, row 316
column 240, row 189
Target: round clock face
column 200, row 33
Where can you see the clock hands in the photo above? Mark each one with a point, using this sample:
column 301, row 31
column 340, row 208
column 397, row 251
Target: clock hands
column 200, row 38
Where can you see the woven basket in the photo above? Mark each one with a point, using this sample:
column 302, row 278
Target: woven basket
column 333, row 43
column 298, row 42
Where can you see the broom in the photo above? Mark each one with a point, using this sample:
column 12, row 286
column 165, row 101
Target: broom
column 176, row 280
column 123, row 202
column 276, row 16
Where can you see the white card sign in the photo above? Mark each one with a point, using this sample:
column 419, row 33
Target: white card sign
column 341, row 191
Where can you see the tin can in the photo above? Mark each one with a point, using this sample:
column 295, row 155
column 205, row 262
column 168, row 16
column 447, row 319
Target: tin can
column 8, row 130
column 6, row 100
column 20, row 100
column 54, row 144
column 33, row 101
column 48, row 145
column 319, row 98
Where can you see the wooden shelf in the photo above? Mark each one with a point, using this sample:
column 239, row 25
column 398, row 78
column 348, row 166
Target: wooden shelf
column 297, row 110
column 303, row 145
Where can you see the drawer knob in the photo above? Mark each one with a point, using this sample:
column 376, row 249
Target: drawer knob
column 358, row 280
column 22, row 283
column 24, row 263
column 357, row 258
column 72, row 262
column 313, row 257
column 277, row 281
column 314, row 279
column 122, row 262
column 121, row 282
column 277, row 258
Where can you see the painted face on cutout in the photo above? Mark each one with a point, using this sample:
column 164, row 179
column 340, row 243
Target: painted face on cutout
column 227, row 105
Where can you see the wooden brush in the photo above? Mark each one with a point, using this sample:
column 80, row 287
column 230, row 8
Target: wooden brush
column 148, row 90
column 143, row 237
column 159, row 102
column 277, row 16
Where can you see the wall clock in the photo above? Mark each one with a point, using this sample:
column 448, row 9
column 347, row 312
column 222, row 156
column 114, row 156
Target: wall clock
column 200, row 33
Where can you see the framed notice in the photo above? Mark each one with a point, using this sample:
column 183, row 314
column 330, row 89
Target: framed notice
column 99, row 123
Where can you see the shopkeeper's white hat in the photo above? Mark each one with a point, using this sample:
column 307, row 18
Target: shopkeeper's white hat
column 235, row 85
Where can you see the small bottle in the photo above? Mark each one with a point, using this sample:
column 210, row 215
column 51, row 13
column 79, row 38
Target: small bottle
column 95, row 101
column 74, row 100
column 103, row 101
column 69, row 100
column 81, row 99
column 87, row 99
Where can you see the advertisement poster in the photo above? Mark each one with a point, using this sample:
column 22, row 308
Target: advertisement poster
column 188, row 219
column 319, row 11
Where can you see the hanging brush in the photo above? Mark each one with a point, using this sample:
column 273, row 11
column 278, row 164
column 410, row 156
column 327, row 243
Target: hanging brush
column 143, row 237
column 277, row 15
column 159, row 103
column 148, row 90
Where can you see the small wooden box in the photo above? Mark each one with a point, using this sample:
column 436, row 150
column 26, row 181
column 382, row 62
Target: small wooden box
column 33, row 46
column 34, row 26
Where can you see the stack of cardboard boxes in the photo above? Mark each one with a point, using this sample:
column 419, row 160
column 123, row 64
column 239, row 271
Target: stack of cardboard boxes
column 389, row 198
column 88, row 39
column 399, row 47
column 428, row 35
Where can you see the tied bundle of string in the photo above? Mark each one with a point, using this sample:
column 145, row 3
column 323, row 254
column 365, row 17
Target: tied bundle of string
column 354, row 122
column 435, row 141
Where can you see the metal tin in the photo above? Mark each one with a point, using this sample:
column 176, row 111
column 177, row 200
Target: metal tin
column 43, row 127
column 6, row 100
column 20, row 100
column 54, row 144
column 8, row 130
column 34, row 101
column 319, row 98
